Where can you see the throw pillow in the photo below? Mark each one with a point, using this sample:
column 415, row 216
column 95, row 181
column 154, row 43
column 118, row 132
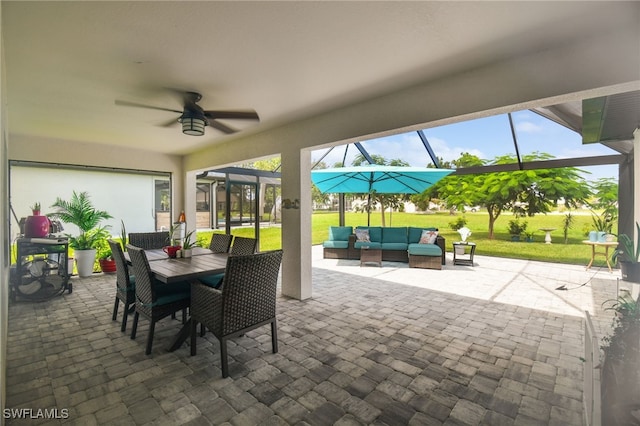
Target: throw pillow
column 428, row 237
column 363, row 235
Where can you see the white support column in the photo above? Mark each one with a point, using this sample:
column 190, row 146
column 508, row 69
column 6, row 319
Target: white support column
column 296, row 223
column 189, row 201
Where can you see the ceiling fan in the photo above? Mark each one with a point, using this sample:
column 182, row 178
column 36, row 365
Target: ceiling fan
column 194, row 118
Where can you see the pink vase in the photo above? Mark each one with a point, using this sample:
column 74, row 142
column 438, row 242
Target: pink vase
column 36, row 226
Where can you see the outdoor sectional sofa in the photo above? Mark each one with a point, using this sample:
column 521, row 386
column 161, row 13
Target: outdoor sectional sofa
column 398, row 244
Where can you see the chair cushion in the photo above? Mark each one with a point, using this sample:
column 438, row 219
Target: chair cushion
column 394, row 235
column 212, row 280
column 336, row 244
column 163, row 289
column 425, row 250
column 165, row 300
column 340, row 233
column 416, row 233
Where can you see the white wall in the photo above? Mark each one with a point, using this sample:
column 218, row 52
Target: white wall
column 125, row 196
column 48, row 150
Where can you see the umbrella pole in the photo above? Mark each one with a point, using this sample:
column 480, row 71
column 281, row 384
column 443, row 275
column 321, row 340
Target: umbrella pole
column 369, row 209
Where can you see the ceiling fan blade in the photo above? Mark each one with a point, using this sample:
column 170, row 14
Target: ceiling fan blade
column 235, row 115
column 137, row 105
column 222, row 127
column 168, row 123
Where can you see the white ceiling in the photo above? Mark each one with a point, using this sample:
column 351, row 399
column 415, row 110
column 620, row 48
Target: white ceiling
column 67, row 62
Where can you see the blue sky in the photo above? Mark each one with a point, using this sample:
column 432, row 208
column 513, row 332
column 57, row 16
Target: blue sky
column 485, row 137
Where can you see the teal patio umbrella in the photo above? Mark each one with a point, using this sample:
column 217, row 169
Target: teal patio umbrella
column 377, row 178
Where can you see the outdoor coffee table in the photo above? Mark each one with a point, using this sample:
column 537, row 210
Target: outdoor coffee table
column 463, row 258
column 370, row 255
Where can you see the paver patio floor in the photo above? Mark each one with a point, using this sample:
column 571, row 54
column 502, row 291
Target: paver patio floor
column 492, row 344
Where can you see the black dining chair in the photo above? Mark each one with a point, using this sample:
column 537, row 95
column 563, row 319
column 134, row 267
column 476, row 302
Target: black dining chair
column 242, row 246
column 246, row 300
column 220, row 243
column 149, row 240
column 155, row 300
column 125, row 284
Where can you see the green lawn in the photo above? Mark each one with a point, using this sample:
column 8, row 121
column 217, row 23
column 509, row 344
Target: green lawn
column 574, row 252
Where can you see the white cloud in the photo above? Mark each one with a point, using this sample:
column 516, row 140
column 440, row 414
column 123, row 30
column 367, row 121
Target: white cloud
column 528, row 127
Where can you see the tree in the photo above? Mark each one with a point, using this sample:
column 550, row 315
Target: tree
column 527, row 192
column 454, row 189
column 605, row 198
column 533, row 191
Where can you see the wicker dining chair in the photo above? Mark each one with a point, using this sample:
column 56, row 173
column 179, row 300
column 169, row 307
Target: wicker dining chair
column 125, row 284
column 149, row 240
column 242, row 246
column 246, row 301
column 220, row 243
column 155, row 300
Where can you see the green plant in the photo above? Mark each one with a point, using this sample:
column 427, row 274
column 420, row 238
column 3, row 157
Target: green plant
column 103, row 251
column 567, row 223
column 458, row 223
column 187, row 243
column 624, row 341
column 603, row 222
column 35, row 207
column 627, row 252
column 517, row 228
column 123, row 235
column 172, row 230
column 80, row 211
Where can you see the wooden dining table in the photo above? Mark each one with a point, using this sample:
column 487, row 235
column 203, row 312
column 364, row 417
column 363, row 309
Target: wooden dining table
column 170, row 270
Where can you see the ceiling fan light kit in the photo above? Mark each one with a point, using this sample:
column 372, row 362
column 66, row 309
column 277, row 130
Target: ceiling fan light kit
column 192, row 126
column 194, row 119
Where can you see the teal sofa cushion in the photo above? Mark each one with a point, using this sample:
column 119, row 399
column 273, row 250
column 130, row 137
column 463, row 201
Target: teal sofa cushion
column 416, row 233
column 394, row 246
column 340, row 233
column 375, row 233
column 335, row 244
column 394, row 235
column 424, row 250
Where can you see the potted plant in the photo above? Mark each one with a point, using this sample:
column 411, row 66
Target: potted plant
column 529, row 236
column 603, row 225
column 628, row 255
column 80, row 212
column 35, row 209
column 35, row 225
column 516, row 229
column 105, row 258
column 621, row 349
column 187, row 244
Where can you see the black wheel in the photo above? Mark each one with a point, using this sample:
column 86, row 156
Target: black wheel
column 41, row 279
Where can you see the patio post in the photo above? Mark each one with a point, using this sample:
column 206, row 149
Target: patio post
column 296, row 223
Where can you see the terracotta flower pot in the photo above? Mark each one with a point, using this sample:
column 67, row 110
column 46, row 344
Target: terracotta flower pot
column 108, row 266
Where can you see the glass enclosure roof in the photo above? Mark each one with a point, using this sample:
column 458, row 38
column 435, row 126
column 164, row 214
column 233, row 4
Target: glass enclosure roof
column 487, row 138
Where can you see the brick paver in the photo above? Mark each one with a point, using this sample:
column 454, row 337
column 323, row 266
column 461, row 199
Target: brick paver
column 363, row 350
